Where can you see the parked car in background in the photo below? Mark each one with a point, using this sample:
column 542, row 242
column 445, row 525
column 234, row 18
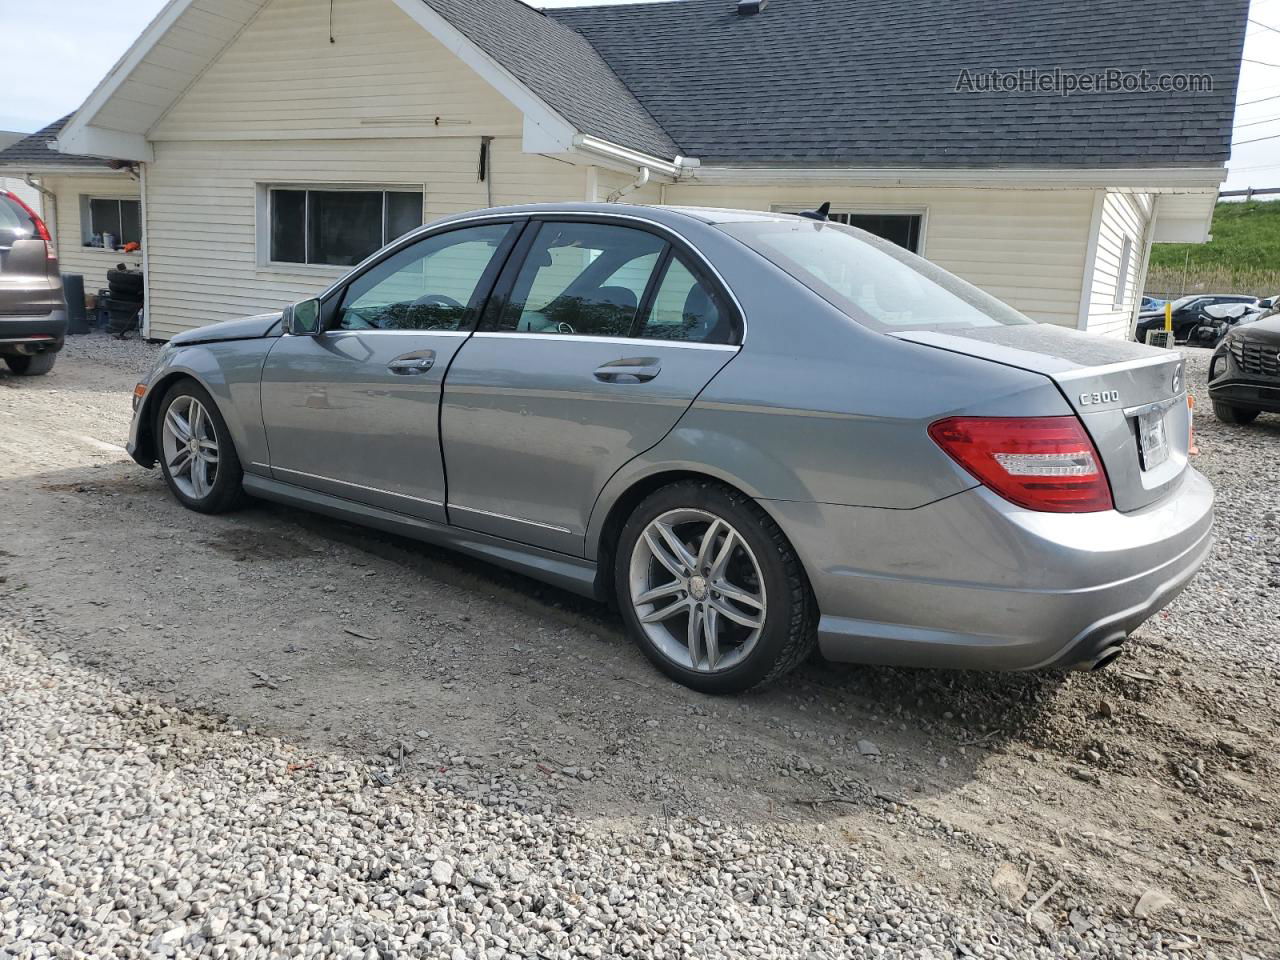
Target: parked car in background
column 1244, row 373
column 1218, row 318
column 33, row 315
column 755, row 432
column 1186, row 314
column 1152, row 303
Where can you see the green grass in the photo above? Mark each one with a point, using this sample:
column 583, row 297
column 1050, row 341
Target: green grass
column 1243, row 257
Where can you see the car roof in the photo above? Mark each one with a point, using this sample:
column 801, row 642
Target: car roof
column 659, row 213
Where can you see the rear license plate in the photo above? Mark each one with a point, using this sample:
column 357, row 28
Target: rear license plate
column 1153, row 441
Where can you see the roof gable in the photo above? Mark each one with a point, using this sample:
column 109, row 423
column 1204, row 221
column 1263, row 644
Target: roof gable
column 829, row 83
column 552, row 74
column 562, row 67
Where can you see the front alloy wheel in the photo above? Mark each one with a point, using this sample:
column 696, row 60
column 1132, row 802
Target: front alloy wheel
column 190, row 447
column 711, row 589
column 197, row 457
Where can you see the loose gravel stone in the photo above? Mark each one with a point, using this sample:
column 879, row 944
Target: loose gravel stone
column 240, row 846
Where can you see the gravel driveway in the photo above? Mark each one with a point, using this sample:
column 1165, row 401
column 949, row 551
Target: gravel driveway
column 270, row 734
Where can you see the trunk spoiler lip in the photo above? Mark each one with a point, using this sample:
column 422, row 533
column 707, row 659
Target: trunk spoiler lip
column 1057, row 368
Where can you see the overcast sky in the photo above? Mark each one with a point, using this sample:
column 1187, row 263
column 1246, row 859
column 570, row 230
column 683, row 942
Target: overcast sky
column 56, row 51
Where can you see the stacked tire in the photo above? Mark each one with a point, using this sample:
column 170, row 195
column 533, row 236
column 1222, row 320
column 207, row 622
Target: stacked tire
column 124, row 300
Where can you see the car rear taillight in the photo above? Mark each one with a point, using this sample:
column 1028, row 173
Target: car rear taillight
column 1041, row 463
column 41, row 230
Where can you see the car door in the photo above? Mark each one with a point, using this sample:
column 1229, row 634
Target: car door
column 597, row 339
column 354, row 411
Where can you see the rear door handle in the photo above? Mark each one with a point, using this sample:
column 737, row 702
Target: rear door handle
column 629, row 370
column 420, row 361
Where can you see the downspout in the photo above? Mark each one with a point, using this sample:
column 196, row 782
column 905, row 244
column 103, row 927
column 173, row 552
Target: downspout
column 1148, row 237
column 145, row 332
column 632, row 187
column 51, row 219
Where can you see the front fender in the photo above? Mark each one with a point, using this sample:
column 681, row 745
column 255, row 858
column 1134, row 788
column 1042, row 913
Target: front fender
column 231, row 372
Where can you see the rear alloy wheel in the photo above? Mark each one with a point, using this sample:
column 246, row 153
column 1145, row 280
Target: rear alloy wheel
column 31, row 365
column 711, row 589
column 1237, row 415
column 197, row 456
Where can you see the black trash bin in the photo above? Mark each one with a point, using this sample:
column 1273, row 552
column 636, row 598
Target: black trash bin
column 73, row 291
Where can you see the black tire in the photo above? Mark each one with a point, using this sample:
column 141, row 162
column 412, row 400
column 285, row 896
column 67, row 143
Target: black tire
column 789, row 632
column 33, row 365
column 226, row 492
column 122, row 282
column 1237, row 415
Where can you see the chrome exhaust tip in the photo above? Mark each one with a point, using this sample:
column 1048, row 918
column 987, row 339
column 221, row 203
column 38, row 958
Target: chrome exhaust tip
column 1103, row 659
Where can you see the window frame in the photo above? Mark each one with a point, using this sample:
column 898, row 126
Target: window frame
column 86, row 220
column 870, row 210
column 694, row 260
column 264, row 220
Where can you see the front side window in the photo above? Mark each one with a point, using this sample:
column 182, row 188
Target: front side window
column 581, row 278
column 111, row 222
column 431, row 285
column 874, row 281
column 338, row 227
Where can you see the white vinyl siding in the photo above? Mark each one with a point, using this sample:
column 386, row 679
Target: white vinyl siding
column 68, row 229
column 206, row 258
column 384, row 105
column 1026, row 247
column 1112, row 291
column 382, row 76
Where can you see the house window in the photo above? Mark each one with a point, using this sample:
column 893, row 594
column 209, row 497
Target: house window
column 110, row 222
column 900, row 228
column 1122, row 277
column 338, row 227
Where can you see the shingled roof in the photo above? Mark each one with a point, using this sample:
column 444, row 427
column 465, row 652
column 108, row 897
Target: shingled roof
column 561, row 67
column 872, row 83
column 33, row 154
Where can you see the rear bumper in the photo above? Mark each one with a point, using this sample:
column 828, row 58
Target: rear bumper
column 37, row 334
column 973, row 582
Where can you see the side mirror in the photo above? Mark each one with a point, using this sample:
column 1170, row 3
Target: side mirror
column 303, row 319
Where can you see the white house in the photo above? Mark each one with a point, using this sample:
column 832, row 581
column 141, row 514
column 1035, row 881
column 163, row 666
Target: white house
column 80, row 199
column 269, row 144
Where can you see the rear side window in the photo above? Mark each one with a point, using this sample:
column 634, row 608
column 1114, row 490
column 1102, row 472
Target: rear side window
column 587, row 279
column 684, row 309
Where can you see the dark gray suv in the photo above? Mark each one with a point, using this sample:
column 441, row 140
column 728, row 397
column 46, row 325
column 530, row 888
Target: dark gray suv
column 33, row 316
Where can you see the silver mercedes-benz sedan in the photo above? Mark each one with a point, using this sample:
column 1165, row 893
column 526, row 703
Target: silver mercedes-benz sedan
column 756, row 432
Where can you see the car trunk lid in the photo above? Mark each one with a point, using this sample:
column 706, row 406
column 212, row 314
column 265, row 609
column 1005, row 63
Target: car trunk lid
column 1131, row 398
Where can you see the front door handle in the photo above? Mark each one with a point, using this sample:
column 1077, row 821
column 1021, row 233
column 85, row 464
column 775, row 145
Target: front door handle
column 420, row 361
column 629, row 370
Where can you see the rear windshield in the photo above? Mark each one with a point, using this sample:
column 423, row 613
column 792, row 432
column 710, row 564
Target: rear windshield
column 875, row 282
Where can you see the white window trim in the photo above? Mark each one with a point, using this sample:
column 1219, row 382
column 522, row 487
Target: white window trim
column 86, row 219
column 870, row 209
column 262, row 220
